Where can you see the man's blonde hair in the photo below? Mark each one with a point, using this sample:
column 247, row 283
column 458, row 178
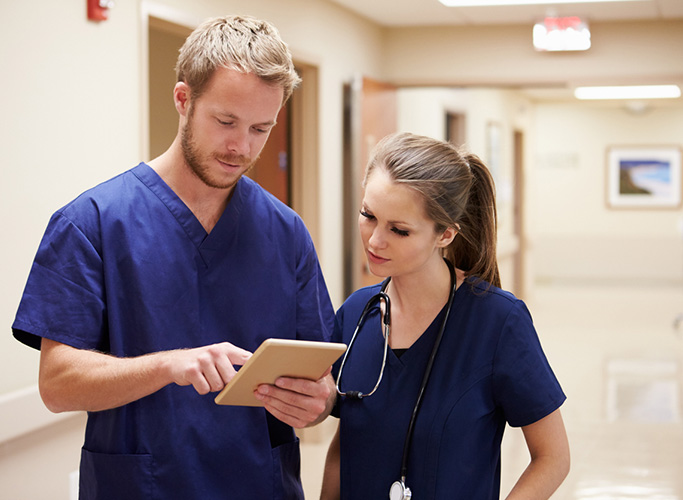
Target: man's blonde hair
column 241, row 43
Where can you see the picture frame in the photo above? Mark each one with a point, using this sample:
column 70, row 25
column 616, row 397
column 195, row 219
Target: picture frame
column 644, row 177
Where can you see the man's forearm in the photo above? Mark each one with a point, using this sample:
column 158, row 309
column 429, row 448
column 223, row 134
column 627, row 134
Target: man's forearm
column 74, row 379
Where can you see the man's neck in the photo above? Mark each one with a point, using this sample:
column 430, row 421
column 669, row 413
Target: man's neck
column 205, row 202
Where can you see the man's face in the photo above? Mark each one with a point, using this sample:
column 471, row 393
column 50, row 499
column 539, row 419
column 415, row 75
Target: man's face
column 227, row 126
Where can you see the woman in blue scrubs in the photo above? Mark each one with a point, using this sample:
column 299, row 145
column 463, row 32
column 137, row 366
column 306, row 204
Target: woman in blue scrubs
column 428, row 226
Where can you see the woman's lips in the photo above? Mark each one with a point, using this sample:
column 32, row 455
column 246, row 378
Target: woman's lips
column 376, row 258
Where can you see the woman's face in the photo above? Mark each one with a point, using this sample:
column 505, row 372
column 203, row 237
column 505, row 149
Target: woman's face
column 397, row 235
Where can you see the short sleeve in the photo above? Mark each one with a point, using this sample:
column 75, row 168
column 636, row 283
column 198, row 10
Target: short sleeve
column 314, row 311
column 525, row 386
column 64, row 296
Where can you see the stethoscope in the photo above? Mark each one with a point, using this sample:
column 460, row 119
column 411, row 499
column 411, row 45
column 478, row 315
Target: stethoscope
column 399, row 490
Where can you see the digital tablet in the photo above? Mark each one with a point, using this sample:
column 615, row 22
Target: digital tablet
column 279, row 358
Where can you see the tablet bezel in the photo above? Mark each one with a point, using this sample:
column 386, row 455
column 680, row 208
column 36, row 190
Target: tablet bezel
column 279, row 358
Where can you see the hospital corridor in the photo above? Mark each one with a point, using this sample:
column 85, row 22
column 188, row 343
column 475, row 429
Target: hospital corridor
column 589, row 200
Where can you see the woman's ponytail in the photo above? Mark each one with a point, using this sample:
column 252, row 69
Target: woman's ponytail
column 474, row 248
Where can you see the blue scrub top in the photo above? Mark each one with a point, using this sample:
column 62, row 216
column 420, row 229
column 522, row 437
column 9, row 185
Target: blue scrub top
column 490, row 369
column 127, row 269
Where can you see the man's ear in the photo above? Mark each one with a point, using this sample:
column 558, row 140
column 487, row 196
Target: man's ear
column 181, row 98
column 447, row 237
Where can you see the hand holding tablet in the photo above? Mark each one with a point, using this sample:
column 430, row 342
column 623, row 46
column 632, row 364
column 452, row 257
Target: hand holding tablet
column 279, row 358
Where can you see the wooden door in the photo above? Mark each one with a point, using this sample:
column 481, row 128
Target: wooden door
column 519, row 273
column 370, row 114
column 272, row 170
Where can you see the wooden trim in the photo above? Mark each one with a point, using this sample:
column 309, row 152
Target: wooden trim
column 305, row 186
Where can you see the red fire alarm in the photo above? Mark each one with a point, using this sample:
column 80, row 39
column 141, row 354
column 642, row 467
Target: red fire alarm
column 98, row 10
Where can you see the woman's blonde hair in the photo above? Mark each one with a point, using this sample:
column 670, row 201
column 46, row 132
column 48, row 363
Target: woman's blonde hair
column 241, row 43
column 458, row 191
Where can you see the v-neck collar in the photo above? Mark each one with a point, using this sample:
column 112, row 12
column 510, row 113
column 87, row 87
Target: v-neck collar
column 207, row 244
column 425, row 342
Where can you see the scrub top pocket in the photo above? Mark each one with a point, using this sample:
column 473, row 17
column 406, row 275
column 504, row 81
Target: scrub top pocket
column 115, row 477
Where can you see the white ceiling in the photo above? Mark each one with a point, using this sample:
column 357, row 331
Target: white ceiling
column 431, row 12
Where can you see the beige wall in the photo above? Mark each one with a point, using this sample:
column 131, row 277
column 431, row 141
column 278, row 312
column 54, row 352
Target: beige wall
column 576, row 236
column 70, row 120
column 75, row 114
column 622, row 52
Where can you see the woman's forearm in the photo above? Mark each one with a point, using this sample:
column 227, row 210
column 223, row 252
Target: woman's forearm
column 550, row 459
column 331, row 478
column 540, row 479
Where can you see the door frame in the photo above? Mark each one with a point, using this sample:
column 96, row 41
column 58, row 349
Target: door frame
column 304, row 128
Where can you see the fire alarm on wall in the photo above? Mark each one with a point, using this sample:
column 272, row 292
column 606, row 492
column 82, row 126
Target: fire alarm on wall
column 98, row 10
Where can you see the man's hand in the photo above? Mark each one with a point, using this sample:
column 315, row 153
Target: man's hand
column 206, row 368
column 299, row 402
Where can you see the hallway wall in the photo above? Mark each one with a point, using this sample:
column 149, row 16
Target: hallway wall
column 576, row 235
column 621, row 53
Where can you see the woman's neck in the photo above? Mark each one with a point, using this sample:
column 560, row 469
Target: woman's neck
column 427, row 288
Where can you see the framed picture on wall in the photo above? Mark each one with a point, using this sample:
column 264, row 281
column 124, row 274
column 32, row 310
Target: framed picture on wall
column 644, row 177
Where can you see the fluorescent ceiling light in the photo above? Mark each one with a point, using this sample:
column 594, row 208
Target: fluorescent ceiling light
column 629, row 92
column 487, row 3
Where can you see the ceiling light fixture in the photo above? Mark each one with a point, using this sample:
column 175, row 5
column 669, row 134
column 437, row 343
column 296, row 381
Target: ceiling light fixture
column 629, row 92
column 490, row 3
column 561, row 33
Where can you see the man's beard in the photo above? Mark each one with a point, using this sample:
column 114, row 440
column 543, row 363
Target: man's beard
column 197, row 161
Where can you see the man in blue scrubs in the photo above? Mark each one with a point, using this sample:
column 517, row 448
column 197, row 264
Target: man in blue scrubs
column 166, row 276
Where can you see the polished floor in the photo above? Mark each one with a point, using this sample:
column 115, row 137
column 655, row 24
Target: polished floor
column 619, row 358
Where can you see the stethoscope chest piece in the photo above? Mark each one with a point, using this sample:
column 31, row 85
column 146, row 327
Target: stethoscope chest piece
column 399, row 491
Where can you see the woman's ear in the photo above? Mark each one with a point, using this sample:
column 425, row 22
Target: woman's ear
column 447, row 237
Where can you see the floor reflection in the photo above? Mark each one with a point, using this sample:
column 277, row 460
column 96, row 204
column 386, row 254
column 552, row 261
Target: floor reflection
column 618, row 356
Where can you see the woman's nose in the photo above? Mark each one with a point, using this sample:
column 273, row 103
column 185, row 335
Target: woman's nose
column 377, row 239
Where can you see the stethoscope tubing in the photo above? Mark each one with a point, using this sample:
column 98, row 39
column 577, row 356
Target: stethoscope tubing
column 379, row 297
column 405, row 492
column 425, row 377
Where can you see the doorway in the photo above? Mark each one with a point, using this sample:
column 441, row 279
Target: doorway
column 370, row 113
column 288, row 165
column 455, row 128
